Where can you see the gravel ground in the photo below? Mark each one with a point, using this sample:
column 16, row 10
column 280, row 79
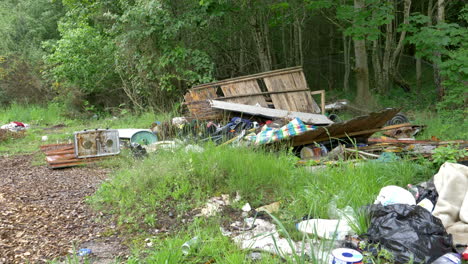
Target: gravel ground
column 43, row 214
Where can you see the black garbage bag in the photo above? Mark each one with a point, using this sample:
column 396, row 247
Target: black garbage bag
column 408, row 231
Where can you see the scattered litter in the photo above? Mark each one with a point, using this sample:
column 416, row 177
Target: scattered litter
column 194, row 148
column 214, row 205
column 149, row 242
column 270, row 208
column 15, row 126
column 346, row 256
column 448, row 258
column 254, row 256
column 138, row 151
column 179, row 121
column 246, row 207
column 451, row 208
column 408, row 231
column 392, row 194
column 44, row 138
column 269, row 135
column 426, row 204
column 263, row 236
column 84, row 252
column 325, row 228
column 190, row 246
column 388, row 157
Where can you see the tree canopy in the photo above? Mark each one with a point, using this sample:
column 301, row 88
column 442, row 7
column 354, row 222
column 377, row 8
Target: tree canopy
column 147, row 53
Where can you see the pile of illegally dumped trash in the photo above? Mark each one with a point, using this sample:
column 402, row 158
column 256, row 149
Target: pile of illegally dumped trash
column 424, row 223
column 266, row 109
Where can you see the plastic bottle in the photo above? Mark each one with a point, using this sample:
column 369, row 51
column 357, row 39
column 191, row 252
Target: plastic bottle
column 448, row 258
column 190, row 245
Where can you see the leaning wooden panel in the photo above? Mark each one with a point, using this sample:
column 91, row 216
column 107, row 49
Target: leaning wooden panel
column 300, row 101
column 308, row 100
column 243, row 88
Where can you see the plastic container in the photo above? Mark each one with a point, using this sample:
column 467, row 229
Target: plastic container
column 190, row 245
column 346, row 256
column 84, row 252
column 448, row 258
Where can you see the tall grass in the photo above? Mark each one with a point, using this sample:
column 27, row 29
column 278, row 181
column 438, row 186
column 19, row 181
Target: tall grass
column 187, row 179
column 441, row 128
column 51, row 114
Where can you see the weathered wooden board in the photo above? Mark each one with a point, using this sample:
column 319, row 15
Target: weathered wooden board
column 243, row 88
column 299, row 101
column 307, row 118
column 286, row 89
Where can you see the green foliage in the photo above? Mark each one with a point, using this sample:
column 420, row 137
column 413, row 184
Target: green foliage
column 153, row 55
column 448, row 154
column 455, row 70
column 365, row 23
column 445, row 44
column 361, row 221
column 83, row 57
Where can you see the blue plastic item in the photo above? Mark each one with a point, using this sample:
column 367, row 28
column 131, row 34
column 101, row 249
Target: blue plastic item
column 84, row 252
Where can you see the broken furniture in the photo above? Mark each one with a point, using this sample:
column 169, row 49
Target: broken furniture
column 89, row 146
column 284, row 89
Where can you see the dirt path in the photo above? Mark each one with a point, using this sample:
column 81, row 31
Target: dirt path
column 43, row 213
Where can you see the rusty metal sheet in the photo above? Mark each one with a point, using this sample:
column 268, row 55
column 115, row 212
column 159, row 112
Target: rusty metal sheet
column 61, row 155
column 364, row 124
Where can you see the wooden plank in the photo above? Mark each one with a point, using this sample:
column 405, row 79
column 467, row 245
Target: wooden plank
column 301, row 102
column 264, row 93
column 246, row 88
column 248, row 77
column 406, row 141
column 271, row 113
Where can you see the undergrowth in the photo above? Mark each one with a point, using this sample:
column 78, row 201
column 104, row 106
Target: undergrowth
column 187, row 179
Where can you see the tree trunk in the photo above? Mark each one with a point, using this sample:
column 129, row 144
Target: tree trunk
column 377, row 66
column 347, row 63
column 362, row 69
column 398, row 50
column 386, row 58
column 418, row 74
column 437, row 77
column 261, row 42
column 284, row 46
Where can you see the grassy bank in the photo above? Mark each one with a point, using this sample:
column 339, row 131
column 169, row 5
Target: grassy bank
column 162, row 190
column 142, row 192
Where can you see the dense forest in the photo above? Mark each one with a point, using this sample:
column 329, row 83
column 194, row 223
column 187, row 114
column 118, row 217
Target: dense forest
column 144, row 54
